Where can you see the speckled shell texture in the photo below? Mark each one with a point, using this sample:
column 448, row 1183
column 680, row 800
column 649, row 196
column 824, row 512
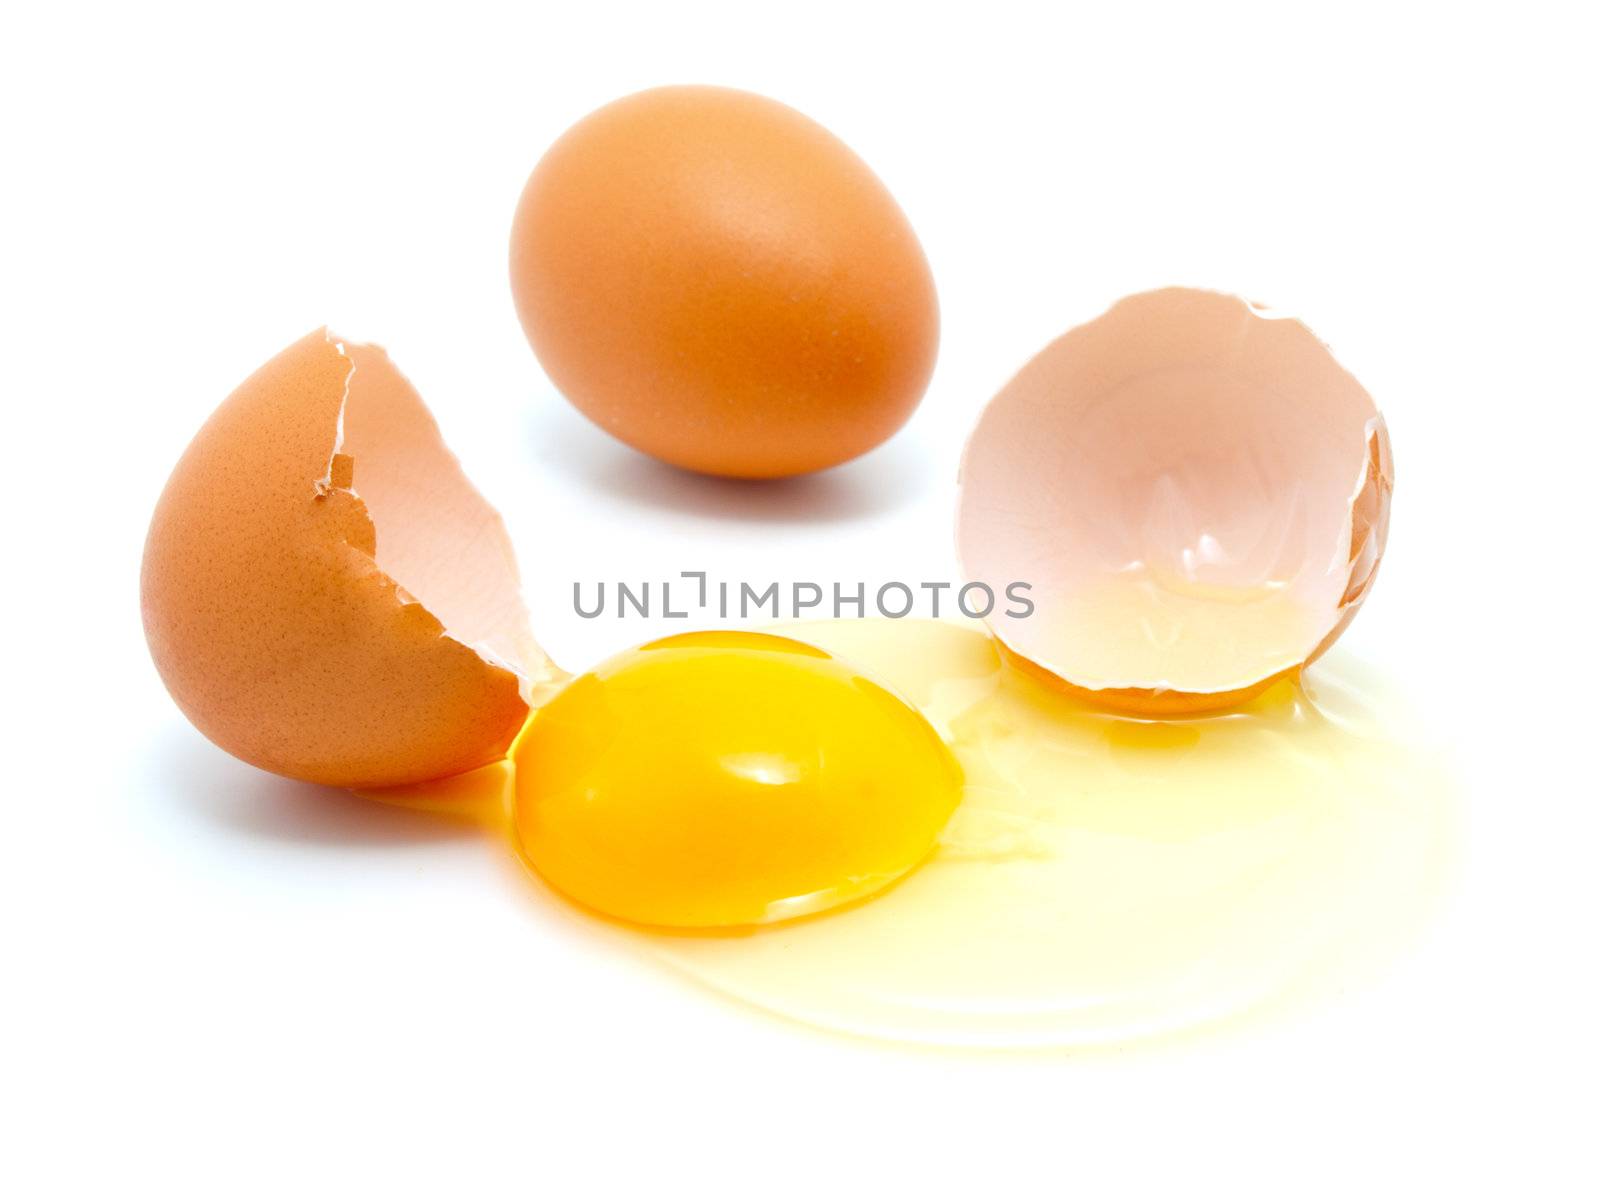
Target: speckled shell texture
column 267, row 615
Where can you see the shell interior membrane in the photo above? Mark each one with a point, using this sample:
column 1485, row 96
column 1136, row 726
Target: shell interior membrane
column 1197, row 492
column 436, row 536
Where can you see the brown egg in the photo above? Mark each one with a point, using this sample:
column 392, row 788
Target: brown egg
column 1197, row 493
column 324, row 592
column 720, row 282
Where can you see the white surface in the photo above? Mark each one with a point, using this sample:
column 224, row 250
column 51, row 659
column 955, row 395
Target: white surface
column 217, row 979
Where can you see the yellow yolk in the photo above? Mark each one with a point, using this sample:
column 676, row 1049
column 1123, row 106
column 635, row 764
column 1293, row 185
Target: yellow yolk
column 728, row 779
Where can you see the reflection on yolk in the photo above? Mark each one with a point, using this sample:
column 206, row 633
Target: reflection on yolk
column 728, row 779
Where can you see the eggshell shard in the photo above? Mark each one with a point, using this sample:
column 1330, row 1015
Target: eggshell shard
column 720, row 282
column 324, row 592
column 1197, row 493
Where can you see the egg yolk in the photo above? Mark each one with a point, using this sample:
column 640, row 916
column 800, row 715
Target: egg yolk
column 727, row 779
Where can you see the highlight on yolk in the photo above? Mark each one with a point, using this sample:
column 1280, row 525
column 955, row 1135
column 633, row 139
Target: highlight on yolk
column 723, row 779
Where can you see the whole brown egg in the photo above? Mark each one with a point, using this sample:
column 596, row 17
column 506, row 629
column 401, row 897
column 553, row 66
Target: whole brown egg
column 720, row 282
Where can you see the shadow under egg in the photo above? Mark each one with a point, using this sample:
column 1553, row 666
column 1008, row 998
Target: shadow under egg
column 237, row 798
column 886, row 478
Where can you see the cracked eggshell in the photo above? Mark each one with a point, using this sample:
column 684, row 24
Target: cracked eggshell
column 1197, row 493
column 325, row 594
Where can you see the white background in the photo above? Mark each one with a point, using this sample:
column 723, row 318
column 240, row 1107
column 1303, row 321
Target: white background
column 217, row 978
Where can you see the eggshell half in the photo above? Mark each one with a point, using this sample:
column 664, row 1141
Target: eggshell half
column 719, row 281
column 1197, row 493
column 324, row 592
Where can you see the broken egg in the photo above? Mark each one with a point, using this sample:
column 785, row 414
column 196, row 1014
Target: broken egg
column 324, row 592
column 887, row 829
column 720, row 282
column 1197, row 493
column 1107, row 880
